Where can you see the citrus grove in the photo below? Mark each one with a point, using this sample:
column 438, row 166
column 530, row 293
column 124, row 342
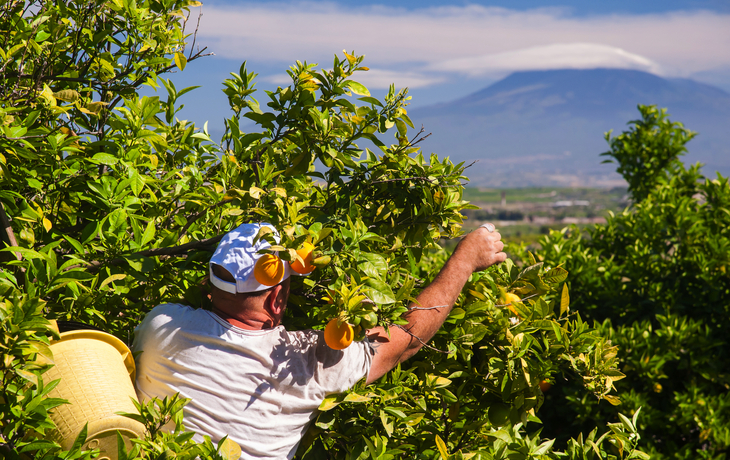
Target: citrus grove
column 655, row 277
column 111, row 204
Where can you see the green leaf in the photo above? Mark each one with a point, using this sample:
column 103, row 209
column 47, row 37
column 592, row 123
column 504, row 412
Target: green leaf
column 136, row 182
column 373, row 265
column 149, row 233
column 378, row 291
column 105, row 158
column 555, row 275
column 356, row 88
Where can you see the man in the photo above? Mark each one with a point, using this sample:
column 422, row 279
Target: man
column 251, row 379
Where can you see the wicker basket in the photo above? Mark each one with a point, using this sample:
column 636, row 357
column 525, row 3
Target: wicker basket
column 96, row 371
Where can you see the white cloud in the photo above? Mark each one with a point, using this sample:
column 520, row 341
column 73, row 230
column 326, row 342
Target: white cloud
column 432, row 42
column 557, row 56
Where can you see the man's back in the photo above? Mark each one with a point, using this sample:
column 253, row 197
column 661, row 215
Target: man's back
column 262, row 388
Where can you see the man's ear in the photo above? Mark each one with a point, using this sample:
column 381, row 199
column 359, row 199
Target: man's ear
column 272, row 302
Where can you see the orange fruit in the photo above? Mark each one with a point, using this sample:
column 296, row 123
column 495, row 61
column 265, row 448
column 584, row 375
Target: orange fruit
column 498, row 414
column 512, row 299
column 269, row 270
column 338, row 337
column 306, row 252
column 544, row 385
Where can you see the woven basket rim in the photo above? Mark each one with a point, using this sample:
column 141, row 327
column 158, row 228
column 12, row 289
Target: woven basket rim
column 120, row 346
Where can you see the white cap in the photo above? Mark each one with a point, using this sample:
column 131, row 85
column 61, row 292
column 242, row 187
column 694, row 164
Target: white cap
column 237, row 254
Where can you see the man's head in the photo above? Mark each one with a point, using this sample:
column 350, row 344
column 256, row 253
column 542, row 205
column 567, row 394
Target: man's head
column 238, row 253
column 236, row 292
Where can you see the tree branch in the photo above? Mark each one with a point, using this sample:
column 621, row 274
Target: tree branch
column 421, row 340
column 402, row 179
column 182, row 249
column 197, row 215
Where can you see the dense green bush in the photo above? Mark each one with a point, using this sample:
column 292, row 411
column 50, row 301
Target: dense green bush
column 111, row 205
column 656, row 277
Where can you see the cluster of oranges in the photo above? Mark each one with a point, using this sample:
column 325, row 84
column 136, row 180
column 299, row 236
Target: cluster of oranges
column 269, row 271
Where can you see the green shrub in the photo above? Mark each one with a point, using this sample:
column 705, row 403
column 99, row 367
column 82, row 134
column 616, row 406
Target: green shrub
column 656, row 278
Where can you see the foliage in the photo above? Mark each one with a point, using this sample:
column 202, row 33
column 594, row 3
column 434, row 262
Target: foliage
column 117, row 205
column 647, row 154
column 656, row 277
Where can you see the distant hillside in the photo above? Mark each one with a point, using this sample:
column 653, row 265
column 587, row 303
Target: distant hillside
column 547, row 127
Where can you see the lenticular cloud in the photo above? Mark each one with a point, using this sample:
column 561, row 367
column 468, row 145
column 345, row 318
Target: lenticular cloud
column 556, row 56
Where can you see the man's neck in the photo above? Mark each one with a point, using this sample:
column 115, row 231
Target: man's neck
column 250, row 324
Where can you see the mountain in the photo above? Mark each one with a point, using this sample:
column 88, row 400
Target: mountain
column 547, row 127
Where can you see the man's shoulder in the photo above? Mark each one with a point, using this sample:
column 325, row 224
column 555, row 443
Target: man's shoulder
column 171, row 314
column 174, row 310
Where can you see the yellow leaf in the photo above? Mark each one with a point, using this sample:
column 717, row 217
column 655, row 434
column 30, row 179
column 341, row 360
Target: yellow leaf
column 31, row 377
column 255, row 193
column 330, row 402
column 564, row 300
column 117, row 277
column 94, row 107
column 352, row 59
column 47, row 94
column 354, row 397
column 47, row 224
column 229, row 450
column 612, row 399
column 180, row 61
column 67, row 95
column 442, row 447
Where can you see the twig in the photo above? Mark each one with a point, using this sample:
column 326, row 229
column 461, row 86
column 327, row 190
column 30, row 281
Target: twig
column 402, row 179
column 197, row 215
column 429, row 308
column 195, row 34
column 416, row 139
column 9, row 230
column 421, row 340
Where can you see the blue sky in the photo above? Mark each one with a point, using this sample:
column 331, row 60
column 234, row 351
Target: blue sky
column 445, row 50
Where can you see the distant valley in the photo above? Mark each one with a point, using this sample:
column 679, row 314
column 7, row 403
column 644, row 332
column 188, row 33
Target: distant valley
column 546, row 128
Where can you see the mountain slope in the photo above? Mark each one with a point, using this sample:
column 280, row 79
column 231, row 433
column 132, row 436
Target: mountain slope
column 546, row 127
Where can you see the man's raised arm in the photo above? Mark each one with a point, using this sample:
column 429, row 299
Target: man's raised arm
column 478, row 250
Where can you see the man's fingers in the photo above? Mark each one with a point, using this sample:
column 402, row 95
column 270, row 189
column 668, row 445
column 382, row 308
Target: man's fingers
column 499, row 246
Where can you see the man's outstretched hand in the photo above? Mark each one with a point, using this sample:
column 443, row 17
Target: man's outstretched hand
column 477, row 251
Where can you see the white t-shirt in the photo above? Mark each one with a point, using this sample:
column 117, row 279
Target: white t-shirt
column 261, row 388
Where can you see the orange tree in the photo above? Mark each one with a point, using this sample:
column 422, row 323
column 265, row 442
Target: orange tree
column 110, row 205
column 656, row 277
